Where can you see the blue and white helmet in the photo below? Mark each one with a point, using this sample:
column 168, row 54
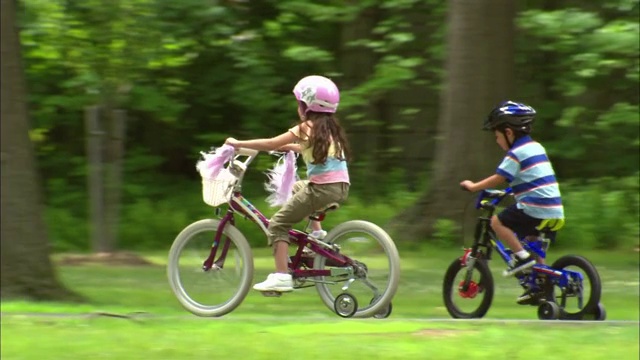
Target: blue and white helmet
column 516, row 116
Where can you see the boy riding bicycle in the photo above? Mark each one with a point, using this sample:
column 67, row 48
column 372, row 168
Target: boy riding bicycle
column 530, row 174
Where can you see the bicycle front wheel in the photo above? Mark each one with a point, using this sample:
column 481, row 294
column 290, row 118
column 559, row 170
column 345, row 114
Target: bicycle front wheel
column 216, row 291
column 470, row 301
column 375, row 251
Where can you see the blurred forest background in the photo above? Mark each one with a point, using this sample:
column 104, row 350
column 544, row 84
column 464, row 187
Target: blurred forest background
column 417, row 77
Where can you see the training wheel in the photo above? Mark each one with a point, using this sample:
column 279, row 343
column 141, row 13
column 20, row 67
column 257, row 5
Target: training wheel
column 345, row 305
column 599, row 313
column 548, row 311
column 384, row 312
column 271, row 293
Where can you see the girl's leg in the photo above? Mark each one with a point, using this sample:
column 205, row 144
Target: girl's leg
column 281, row 280
column 294, row 211
column 298, row 187
column 281, row 256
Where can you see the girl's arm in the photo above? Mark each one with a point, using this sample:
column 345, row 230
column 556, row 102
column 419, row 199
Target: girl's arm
column 291, row 147
column 264, row 144
column 490, row 182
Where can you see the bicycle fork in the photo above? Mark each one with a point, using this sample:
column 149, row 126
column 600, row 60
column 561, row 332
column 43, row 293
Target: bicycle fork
column 468, row 261
column 219, row 264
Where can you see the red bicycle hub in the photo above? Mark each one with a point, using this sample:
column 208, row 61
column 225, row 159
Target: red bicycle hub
column 472, row 290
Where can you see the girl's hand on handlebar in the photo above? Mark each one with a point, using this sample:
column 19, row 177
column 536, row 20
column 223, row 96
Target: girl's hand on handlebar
column 231, row 141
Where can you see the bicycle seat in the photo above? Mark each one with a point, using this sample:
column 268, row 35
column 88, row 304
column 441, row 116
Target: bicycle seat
column 320, row 214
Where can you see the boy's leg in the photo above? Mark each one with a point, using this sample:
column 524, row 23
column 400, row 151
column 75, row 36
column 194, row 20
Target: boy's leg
column 506, row 234
column 539, row 260
column 512, row 220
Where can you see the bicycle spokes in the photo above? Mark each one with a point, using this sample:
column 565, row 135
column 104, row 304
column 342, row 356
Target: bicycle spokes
column 467, row 292
column 214, row 281
column 371, row 272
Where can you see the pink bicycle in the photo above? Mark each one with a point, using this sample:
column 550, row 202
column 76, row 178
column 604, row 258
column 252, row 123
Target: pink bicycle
column 211, row 266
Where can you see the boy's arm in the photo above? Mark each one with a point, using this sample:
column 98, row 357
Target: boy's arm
column 490, row 182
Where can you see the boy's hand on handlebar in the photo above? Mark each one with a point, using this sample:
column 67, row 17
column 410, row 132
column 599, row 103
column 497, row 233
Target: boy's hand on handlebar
column 466, row 185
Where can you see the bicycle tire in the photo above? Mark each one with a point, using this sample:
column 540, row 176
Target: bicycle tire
column 173, row 272
column 595, row 286
column 391, row 253
column 448, row 285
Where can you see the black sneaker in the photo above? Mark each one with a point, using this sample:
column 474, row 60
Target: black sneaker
column 520, row 265
column 530, row 297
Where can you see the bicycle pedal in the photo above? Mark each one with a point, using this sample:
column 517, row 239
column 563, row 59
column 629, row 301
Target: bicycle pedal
column 515, row 272
column 271, row 293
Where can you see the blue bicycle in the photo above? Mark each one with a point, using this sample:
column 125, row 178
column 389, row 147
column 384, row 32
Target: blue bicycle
column 569, row 289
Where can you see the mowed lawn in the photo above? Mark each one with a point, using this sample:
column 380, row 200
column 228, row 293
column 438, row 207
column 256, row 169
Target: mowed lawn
column 300, row 325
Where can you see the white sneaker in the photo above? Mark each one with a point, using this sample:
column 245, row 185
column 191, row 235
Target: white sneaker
column 276, row 282
column 318, row 234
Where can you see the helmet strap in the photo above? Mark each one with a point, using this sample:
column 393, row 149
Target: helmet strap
column 504, row 133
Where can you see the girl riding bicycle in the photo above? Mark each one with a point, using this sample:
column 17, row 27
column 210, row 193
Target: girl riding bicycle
column 325, row 150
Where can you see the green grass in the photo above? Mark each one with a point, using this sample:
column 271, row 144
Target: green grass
column 102, row 338
column 298, row 323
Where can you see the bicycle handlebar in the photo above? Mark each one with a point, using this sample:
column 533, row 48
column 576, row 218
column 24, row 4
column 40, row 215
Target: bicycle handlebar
column 247, row 152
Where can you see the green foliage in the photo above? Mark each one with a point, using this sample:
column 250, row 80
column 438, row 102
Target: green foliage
column 589, row 75
column 446, row 233
column 602, row 214
column 191, row 73
column 68, row 232
column 149, row 225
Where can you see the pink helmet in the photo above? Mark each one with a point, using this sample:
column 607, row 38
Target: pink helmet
column 318, row 93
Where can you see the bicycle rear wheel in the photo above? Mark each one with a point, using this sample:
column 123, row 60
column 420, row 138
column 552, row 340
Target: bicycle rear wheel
column 219, row 290
column 376, row 252
column 578, row 298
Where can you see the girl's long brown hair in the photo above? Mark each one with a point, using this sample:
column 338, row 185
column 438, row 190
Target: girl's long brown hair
column 325, row 128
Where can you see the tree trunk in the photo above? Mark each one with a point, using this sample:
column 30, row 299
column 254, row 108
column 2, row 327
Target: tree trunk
column 417, row 139
column 358, row 63
column 113, row 176
column 479, row 71
column 26, row 268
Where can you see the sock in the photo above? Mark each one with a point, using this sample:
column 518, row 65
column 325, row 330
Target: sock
column 522, row 254
column 318, row 233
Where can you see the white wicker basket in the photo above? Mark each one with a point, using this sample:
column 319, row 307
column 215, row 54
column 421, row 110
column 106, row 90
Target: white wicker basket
column 216, row 192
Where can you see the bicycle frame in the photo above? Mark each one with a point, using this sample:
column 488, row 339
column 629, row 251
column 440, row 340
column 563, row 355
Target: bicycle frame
column 239, row 204
column 485, row 237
